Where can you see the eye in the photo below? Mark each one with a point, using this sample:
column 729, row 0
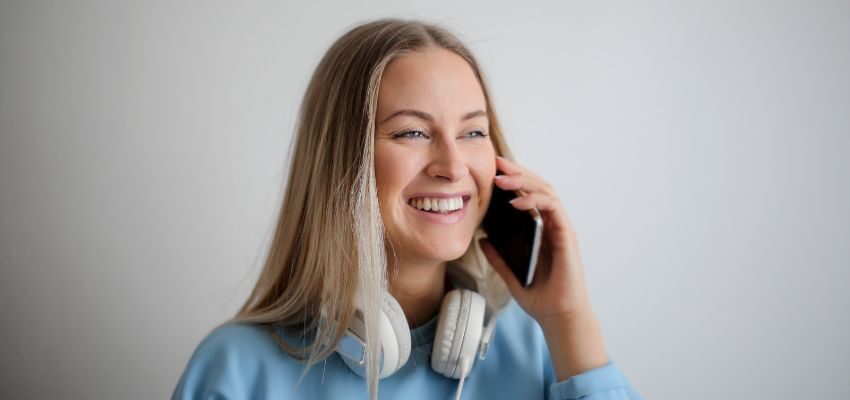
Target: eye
column 409, row 134
column 477, row 134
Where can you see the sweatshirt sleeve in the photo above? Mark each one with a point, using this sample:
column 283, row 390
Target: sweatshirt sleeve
column 603, row 383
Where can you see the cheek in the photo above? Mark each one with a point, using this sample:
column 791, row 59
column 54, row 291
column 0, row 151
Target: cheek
column 483, row 162
column 483, row 165
column 392, row 173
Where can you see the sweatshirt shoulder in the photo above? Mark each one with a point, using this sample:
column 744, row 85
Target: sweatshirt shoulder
column 239, row 338
column 236, row 360
column 515, row 322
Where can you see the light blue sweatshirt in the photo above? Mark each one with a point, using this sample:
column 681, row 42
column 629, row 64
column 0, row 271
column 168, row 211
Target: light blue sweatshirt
column 242, row 361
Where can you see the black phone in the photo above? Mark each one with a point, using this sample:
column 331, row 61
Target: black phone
column 516, row 234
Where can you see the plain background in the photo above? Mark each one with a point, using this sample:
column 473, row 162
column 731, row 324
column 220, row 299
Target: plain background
column 701, row 149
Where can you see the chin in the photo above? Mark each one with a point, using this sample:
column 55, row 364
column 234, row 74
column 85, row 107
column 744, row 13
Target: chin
column 449, row 251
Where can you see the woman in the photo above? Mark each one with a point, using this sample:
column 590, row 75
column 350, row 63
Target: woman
column 394, row 163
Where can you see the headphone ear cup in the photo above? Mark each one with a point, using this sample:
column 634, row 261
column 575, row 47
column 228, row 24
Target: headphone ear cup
column 394, row 336
column 400, row 334
column 458, row 331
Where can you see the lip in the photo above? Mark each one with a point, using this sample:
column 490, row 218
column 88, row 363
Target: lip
column 437, row 195
column 442, row 219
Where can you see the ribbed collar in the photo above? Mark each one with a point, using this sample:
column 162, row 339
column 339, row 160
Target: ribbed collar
column 424, row 334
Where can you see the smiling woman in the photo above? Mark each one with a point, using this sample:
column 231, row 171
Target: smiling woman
column 376, row 258
column 431, row 155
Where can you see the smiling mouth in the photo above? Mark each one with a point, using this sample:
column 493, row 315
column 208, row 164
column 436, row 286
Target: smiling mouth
column 439, row 205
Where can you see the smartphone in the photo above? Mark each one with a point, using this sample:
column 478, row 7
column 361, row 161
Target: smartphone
column 516, row 234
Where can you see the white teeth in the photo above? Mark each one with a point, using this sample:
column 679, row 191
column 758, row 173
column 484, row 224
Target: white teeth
column 437, row 205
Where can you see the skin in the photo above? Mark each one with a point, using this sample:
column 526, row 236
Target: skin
column 447, row 153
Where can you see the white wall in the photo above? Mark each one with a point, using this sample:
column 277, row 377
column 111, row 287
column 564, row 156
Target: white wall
column 701, row 149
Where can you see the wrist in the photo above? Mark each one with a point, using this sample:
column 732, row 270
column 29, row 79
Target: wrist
column 575, row 343
column 563, row 322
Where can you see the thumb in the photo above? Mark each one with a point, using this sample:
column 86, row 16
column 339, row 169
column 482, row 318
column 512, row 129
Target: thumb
column 501, row 267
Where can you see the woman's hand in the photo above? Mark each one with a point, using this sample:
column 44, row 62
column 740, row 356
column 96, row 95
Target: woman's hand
column 558, row 289
column 558, row 297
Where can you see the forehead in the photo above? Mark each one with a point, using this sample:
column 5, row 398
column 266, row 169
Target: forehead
column 434, row 80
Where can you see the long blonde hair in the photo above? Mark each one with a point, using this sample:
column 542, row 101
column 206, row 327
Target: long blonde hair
column 328, row 245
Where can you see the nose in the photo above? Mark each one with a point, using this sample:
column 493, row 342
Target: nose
column 447, row 162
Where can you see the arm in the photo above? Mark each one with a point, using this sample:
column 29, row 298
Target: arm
column 575, row 343
column 558, row 298
column 582, row 366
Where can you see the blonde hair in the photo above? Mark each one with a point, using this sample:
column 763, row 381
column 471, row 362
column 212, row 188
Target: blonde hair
column 328, row 245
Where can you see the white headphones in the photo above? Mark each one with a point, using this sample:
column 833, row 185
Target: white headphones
column 461, row 330
column 458, row 335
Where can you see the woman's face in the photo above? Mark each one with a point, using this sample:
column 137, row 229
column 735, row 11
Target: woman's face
column 432, row 150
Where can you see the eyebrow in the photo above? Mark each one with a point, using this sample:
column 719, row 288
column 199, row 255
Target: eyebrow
column 428, row 117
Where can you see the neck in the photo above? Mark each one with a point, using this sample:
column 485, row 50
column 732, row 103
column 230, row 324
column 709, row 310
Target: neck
column 419, row 287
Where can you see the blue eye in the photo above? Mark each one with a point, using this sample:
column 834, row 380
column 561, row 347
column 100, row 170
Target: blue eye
column 480, row 134
column 409, row 134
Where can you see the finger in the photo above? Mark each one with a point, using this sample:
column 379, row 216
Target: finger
column 507, row 166
column 501, row 268
column 513, row 169
column 525, row 183
column 541, row 201
column 551, row 210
